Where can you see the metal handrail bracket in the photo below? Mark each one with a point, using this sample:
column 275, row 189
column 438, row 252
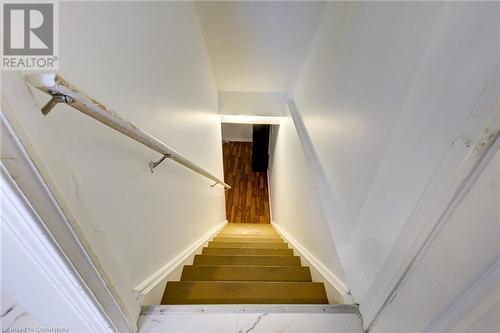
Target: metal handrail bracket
column 63, row 92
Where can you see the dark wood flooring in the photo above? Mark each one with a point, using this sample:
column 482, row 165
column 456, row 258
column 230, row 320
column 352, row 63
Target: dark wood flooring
column 248, row 200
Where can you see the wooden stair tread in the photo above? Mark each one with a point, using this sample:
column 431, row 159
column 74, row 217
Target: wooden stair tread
column 264, row 228
column 248, row 234
column 249, row 225
column 246, row 260
column 254, row 234
column 245, row 264
column 250, row 245
column 247, row 251
column 247, row 239
column 216, row 292
column 246, row 273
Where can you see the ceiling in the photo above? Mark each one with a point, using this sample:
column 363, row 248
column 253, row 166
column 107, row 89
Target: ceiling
column 258, row 46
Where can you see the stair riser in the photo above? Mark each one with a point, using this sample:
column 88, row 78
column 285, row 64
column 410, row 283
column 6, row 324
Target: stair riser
column 247, row 240
column 258, row 227
column 247, row 225
column 248, row 235
column 249, row 245
column 244, row 236
column 263, row 230
column 246, row 264
column 246, row 273
column 247, row 260
column 240, row 300
column 248, row 252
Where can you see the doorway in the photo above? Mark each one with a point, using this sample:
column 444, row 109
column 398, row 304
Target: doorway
column 245, row 157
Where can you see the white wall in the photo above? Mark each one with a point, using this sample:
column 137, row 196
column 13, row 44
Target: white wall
column 395, row 98
column 456, row 264
column 258, row 46
column 251, row 103
column 237, row 132
column 155, row 73
column 14, row 316
column 39, row 288
column 294, row 200
column 353, row 85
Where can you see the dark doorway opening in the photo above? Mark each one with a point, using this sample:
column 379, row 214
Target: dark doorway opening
column 245, row 169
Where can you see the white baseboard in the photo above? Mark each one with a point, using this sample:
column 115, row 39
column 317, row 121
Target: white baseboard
column 327, row 275
column 157, row 277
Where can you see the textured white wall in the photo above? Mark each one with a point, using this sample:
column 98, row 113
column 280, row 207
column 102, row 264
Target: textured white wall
column 155, row 73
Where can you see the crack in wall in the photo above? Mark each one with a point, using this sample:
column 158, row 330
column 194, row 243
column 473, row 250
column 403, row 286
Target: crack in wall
column 80, row 201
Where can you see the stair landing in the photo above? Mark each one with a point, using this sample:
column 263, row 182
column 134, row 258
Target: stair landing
column 250, row 318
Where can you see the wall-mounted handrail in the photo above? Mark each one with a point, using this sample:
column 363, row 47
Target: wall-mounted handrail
column 63, row 92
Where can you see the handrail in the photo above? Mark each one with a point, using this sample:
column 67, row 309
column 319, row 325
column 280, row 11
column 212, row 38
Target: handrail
column 63, row 92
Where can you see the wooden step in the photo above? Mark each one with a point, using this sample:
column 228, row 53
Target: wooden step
column 246, row 260
column 245, row 229
column 241, row 235
column 249, row 245
column 246, row 273
column 250, row 233
column 225, row 235
column 246, row 264
column 241, row 252
column 262, row 230
column 248, row 225
column 211, row 292
column 247, row 239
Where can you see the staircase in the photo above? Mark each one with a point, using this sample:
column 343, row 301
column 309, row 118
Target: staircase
column 245, row 264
